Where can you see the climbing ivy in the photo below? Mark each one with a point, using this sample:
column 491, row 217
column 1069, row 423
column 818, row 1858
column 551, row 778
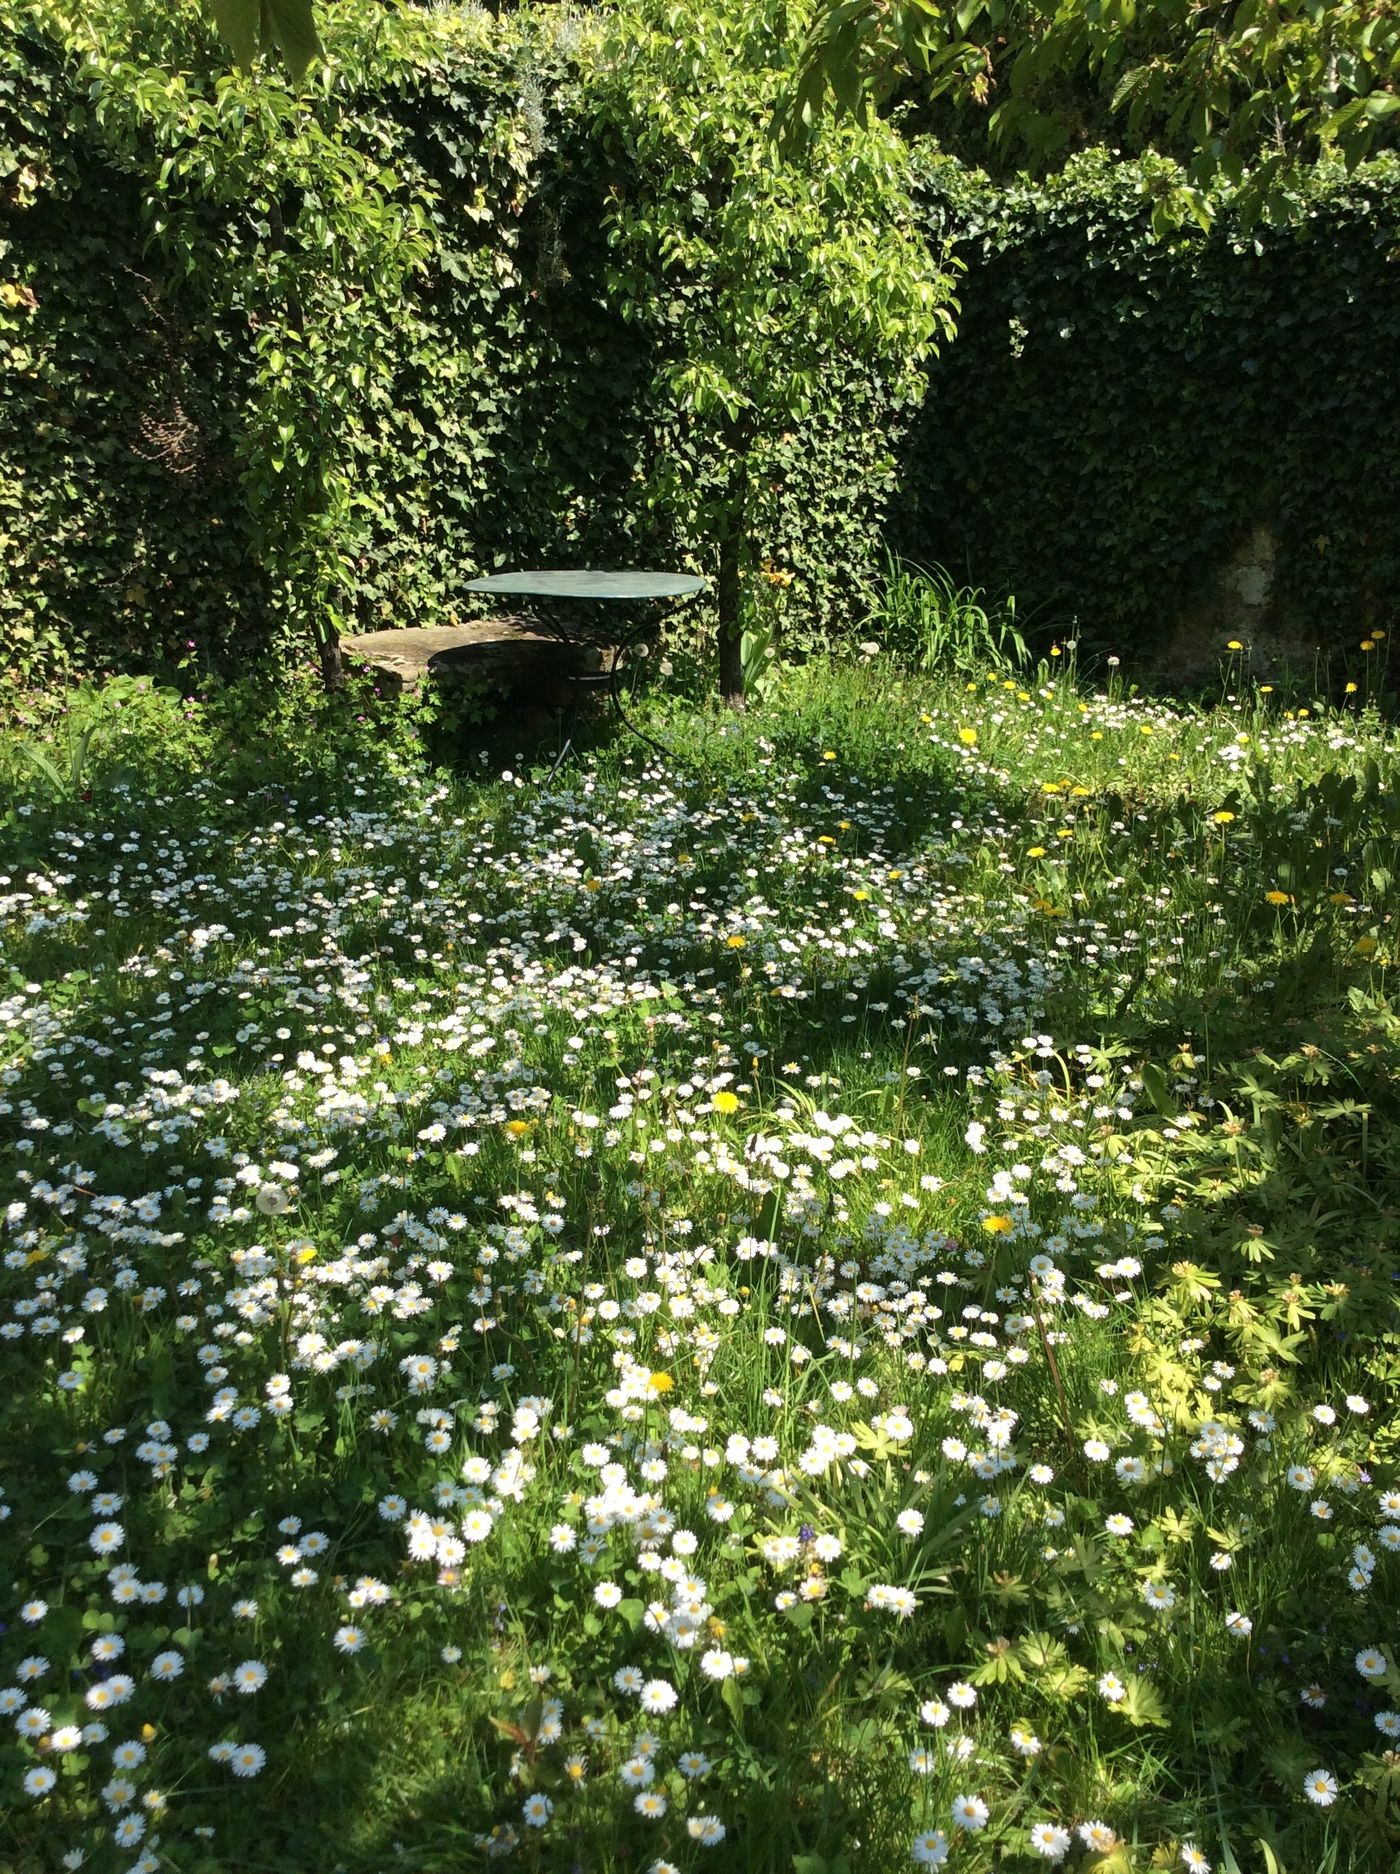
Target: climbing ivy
column 280, row 361
column 1120, row 410
column 287, row 360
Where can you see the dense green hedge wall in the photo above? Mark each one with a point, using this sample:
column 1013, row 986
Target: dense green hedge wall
column 1118, row 410
column 1115, row 412
column 497, row 411
column 121, row 532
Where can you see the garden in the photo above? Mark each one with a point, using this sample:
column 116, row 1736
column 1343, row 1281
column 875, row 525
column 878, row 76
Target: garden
column 813, row 1289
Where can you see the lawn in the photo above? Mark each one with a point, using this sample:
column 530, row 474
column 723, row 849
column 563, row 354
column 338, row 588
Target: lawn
column 826, row 1302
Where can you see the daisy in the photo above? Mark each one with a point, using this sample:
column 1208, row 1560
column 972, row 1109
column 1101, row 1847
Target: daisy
column 930, row 1849
column 650, row 1803
column 1051, row 1842
column 1320, row 1786
column 40, row 1781
column 1371, row 1663
column 250, row 1676
column 247, row 1759
column 1098, row 1836
column 537, row 1811
column 969, row 1812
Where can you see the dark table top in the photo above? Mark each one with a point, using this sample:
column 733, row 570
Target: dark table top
column 588, row 583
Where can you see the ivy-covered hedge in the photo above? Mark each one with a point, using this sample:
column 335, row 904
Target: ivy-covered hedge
column 1119, row 411
column 259, row 355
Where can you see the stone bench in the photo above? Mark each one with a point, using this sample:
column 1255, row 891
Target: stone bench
column 498, row 655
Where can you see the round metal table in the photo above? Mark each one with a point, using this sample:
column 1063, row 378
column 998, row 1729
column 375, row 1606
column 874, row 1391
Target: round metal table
column 591, row 587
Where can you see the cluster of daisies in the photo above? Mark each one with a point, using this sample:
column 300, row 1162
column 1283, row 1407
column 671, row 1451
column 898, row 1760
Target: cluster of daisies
column 660, row 1232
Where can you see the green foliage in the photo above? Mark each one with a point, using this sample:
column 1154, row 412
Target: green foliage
column 249, row 27
column 1247, row 94
column 922, row 617
column 779, row 280
column 292, row 361
column 1120, row 410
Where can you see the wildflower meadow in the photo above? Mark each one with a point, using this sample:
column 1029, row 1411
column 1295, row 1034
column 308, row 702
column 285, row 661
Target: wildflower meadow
column 822, row 1301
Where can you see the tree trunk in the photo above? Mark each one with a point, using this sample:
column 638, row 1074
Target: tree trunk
column 328, row 650
column 729, row 591
column 728, row 598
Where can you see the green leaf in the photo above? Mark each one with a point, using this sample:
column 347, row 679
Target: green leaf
column 249, row 27
column 1142, row 1704
column 240, row 27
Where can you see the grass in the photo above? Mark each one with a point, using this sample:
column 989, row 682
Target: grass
column 839, row 1287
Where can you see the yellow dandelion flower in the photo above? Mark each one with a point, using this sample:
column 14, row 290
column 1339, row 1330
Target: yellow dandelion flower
column 1365, row 946
column 1351, row 689
column 725, row 1102
column 860, row 896
column 968, row 737
column 1234, row 645
column 828, row 754
column 1036, row 852
column 1223, row 818
column 996, row 1226
column 736, row 942
column 517, row 1128
column 307, row 1255
column 1277, row 897
column 661, row 1382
